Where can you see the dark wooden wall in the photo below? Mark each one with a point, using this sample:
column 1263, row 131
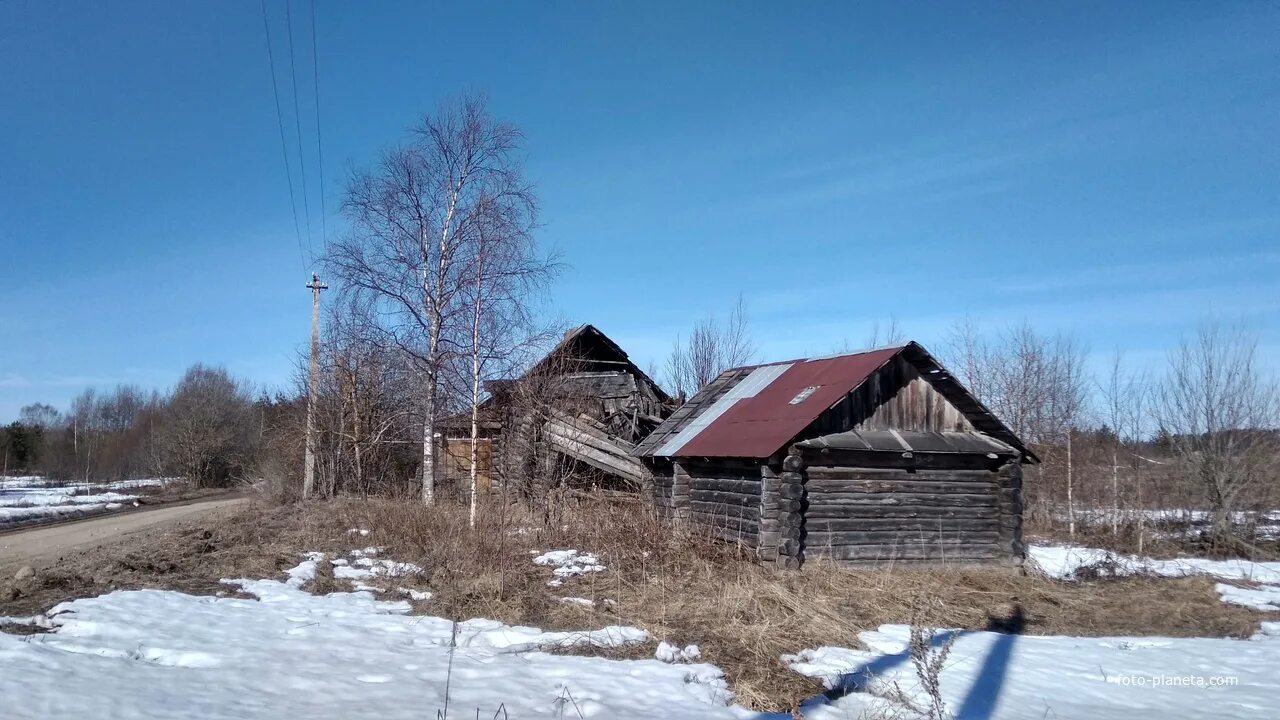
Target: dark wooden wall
column 721, row 496
column 857, row 508
column 965, row 509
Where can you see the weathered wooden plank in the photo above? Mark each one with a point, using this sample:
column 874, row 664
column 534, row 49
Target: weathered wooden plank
column 860, row 496
column 820, row 472
column 895, row 537
column 906, row 525
column 975, row 553
column 820, row 512
column 879, row 459
column 739, row 527
column 748, row 487
column 724, row 510
column 900, row 486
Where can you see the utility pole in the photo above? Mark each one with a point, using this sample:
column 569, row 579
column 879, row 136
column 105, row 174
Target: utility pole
column 309, row 464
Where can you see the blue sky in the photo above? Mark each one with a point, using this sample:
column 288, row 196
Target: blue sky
column 1109, row 169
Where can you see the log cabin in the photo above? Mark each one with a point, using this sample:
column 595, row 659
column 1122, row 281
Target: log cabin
column 571, row 419
column 868, row 458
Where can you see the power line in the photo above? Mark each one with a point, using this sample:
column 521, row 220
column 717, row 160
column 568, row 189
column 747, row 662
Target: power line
column 315, row 77
column 297, row 124
column 284, row 145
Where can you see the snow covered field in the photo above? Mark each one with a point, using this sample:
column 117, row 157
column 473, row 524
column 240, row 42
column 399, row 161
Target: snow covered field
column 1262, row 578
column 1176, row 523
column 284, row 652
column 28, row 499
column 990, row 675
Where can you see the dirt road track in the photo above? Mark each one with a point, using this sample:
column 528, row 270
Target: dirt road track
column 42, row 545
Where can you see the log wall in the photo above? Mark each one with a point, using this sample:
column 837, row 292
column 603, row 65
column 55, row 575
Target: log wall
column 957, row 511
column 722, row 496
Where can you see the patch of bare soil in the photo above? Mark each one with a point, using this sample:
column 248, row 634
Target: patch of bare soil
column 681, row 588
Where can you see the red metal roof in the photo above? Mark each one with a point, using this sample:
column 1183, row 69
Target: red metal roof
column 760, row 425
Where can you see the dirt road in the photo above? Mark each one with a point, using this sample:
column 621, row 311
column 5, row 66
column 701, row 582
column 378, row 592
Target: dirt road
column 43, row 545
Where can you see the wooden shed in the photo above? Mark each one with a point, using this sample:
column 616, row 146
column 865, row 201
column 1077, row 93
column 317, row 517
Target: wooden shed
column 868, row 458
column 573, row 418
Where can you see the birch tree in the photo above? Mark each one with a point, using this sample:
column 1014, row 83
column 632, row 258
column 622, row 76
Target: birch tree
column 413, row 215
column 506, row 270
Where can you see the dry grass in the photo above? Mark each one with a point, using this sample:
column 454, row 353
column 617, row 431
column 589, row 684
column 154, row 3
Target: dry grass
column 681, row 588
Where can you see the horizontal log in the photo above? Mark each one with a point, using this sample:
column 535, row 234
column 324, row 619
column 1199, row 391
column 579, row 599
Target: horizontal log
column 819, row 512
column 917, row 526
column 743, row 528
column 895, row 538
column 744, row 487
column 974, row 553
column 903, row 500
column 718, row 513
column 838, row 473
column 895, row 460
column 887, row 487
column 723, row 503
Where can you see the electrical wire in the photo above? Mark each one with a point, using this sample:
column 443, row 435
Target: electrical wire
column 297, row 124
column 315, row 77
column 284, row 145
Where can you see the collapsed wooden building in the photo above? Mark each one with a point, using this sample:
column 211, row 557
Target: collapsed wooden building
column 573, row 419
column 867, row 458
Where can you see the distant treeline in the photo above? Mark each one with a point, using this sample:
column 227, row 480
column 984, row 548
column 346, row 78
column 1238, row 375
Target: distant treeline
column 209, row 429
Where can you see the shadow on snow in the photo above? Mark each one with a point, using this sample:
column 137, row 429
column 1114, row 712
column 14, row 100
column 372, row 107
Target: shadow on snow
column 978, row 704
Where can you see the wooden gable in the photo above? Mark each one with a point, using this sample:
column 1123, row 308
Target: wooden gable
column 896, row 397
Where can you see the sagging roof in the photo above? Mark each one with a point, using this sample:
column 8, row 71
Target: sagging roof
column 585, row 349
column 756, row 411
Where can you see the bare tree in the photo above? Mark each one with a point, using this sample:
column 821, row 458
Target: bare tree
column 506, row 269
column 712, row 348
column 1124, row 405
column 885, row 335
column 207, row 432
column 1219, row 414
column 413, row 216
column 1067, row 404
column 1036, row 384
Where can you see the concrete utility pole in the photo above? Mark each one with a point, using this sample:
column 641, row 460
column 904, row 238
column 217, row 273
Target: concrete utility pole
column 309, row 464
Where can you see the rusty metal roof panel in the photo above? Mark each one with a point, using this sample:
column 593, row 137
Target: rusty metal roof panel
column 762, row 423
column 748, row 387
column 763, row 418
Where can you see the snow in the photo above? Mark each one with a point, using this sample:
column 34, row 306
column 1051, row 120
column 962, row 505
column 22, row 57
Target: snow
column 1062, row 562
column 287, row 653
column 1265, row 597
column 996, row 677
column 12, row 515
column 585, row 602
column 33, row 498
column 568, row 563
column 669, row 653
